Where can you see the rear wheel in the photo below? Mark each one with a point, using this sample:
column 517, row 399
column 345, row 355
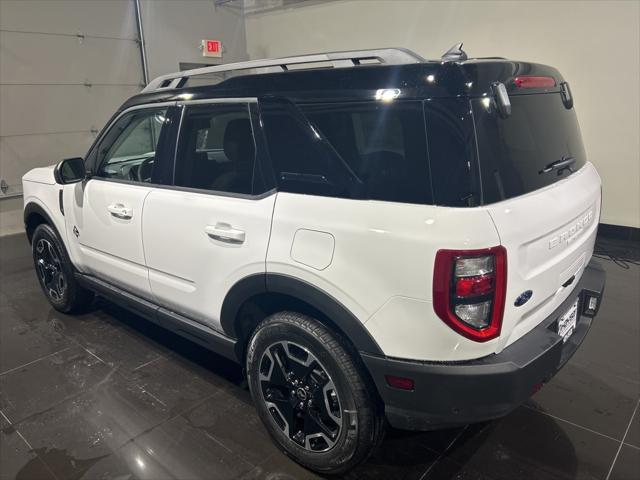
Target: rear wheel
column 311, row 394
column 55, row 272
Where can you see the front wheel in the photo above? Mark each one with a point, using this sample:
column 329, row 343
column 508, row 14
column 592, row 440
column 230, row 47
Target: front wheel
column 312, row 395
column 55, row 272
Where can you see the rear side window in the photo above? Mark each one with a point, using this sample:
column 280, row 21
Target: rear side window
column 216, row 149
column 303, row 161
column 515, row 151
column 366, row 150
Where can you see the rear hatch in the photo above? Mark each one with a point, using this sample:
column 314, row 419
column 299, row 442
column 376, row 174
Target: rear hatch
column 544, row 198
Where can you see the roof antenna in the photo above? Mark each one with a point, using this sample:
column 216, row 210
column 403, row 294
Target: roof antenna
column 455, row 54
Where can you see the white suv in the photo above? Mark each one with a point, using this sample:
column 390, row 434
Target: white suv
column 383, row 239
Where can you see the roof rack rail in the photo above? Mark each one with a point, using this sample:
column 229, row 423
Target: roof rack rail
column 389, row 56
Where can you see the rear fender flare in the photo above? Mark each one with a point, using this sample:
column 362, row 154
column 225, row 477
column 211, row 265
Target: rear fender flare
column 303, row 291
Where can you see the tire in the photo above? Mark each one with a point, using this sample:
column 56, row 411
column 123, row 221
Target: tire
column 325, row 381
column 55, row 272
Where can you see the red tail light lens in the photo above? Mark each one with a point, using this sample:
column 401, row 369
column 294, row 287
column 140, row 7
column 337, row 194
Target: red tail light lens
column 476, row 285
column 469, row 291
column 530, row 81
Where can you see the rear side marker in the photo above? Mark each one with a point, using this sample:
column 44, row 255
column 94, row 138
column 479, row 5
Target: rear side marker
column 400, row 383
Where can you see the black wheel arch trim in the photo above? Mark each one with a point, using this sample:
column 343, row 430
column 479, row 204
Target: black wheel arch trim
column 32, row 208
column 301, row 290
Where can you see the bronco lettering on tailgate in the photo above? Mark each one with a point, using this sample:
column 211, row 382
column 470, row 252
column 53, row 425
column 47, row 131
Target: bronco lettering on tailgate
column 571, row 233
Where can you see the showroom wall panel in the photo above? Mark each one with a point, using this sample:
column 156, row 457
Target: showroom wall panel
column 65, row 66
column 595, row 44
column 173, row 31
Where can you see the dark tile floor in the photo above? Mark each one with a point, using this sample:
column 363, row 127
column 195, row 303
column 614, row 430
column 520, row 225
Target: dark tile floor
column 109, row 396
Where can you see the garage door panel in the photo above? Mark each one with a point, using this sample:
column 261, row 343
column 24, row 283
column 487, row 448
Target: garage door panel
column 33, row 58
column 113, row 18
column 28, row 109
column 20, row 154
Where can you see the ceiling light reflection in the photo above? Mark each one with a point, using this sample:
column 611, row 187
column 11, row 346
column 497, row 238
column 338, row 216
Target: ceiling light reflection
column 387, row 94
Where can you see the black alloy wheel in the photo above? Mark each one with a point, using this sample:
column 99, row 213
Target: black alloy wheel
column 50, row 270
column 301, row 396
column 313, row 393
column 56, row 273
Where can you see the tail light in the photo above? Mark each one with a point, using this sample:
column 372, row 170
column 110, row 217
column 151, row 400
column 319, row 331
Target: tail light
column 469, row 291
column 531, row 81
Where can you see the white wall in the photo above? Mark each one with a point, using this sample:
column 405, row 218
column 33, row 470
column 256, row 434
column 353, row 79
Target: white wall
column 596, row 46
column 46, row 111
column 173, row 30
column 65, row 66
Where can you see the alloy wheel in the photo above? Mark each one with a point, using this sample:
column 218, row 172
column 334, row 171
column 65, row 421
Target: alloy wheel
column 300, row 396
column 50, row 269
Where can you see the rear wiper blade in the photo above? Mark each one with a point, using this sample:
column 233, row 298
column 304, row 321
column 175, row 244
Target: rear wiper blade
column 559, row 165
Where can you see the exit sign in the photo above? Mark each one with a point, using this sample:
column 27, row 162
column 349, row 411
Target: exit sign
column 211, row 48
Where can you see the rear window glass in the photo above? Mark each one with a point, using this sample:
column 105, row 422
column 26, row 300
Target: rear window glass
column 363, row 150
column 515, row 151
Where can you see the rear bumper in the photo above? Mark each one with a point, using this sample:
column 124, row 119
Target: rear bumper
column 454, row 393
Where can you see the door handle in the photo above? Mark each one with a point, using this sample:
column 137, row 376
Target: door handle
column 224, row 232
column 118, row 210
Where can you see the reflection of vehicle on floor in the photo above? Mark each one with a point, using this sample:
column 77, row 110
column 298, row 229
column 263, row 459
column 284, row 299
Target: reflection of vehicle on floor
column 384, row 238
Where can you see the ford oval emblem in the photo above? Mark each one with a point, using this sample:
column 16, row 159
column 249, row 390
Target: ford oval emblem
column 523, row 298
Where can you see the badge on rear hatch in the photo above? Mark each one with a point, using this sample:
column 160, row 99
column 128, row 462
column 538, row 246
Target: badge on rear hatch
column 523, row 298
column 573, row 231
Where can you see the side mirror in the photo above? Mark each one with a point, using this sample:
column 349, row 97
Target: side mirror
column 70, row 170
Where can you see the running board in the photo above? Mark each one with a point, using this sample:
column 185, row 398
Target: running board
column 172, row 321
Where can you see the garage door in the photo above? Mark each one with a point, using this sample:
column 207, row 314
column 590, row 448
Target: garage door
column 65, row 66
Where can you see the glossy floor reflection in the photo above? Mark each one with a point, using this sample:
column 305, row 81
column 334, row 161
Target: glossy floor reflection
column 109, row 396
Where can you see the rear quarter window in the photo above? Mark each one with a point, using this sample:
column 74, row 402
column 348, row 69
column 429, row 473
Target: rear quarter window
column 452, row 152
column 360, row 150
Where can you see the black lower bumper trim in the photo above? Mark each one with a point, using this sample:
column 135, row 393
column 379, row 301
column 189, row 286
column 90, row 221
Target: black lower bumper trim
column 448, row 394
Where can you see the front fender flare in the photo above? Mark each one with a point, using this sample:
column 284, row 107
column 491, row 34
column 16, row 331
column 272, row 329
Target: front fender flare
column 32, row 207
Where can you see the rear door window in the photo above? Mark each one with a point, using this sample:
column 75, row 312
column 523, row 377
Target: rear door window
column 216, row 149
column 514, row 151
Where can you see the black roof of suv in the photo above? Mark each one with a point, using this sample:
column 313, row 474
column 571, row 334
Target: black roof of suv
column 431, row 79
column 468, row 131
